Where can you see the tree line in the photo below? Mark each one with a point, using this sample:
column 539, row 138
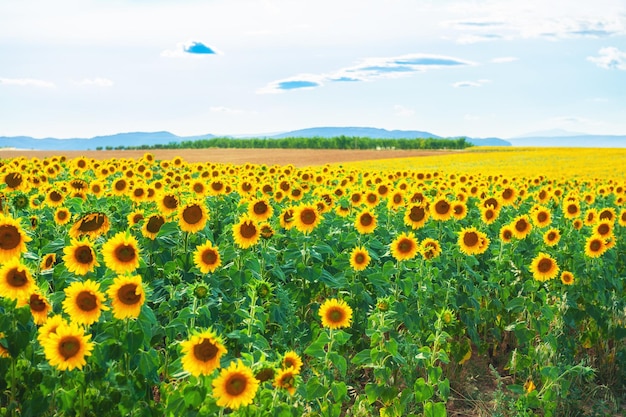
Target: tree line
column 316, row 142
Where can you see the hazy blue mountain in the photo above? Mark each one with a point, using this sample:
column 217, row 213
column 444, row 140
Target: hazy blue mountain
column 550, row 133
column 581, row 141
column 120, row 139
column 364, row 132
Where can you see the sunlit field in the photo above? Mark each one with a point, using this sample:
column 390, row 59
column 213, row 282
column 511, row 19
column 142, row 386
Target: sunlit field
column 488, row 282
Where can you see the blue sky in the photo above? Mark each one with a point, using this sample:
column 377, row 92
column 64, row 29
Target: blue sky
column 82, row 68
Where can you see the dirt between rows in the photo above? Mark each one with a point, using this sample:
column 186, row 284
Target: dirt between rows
column 297, row 157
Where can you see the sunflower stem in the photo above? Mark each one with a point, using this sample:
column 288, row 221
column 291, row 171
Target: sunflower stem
column 194, row 308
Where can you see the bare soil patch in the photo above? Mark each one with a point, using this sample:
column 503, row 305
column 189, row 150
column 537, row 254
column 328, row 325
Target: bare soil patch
column 297, row 157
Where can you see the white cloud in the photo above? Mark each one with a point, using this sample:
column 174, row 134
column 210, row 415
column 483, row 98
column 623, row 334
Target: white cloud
column 478, row 83
column 27, row 82
column 609, row 58
column 402, row 111
column 98, row 82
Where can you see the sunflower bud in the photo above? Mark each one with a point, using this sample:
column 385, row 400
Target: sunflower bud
column 201, row 291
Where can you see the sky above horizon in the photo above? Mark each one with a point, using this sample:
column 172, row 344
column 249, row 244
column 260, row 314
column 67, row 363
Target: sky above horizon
column 83, row 68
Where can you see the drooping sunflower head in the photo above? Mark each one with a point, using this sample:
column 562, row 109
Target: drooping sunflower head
column 121, row 253
column 16, row 280
column 544, row 267
column 286, row 379
column 287, row 220
column 80, row 257
column 430, row 248
column 235, row 386
column 207, row 257
column 84, row 302
column 152, row 226
column 306, row 218
column 68, row 347
column 127, row 296
column 359, row 258
column 404, row 247
column 607, row 213
column 48, row 261
column 39, row 306
column 335, row 314
column 92, row 224
column 365, row 222
column 193, row 216
column 12, row 238
column 246, row 232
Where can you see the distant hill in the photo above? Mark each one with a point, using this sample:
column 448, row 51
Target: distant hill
column 580, row 141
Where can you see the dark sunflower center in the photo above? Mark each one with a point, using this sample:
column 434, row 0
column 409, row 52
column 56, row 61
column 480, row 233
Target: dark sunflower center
column 507, row 234
column 13, row 179
column 260, row 207
column 287, row 381
column 296, row 192
column 62, row 215
column 491, row 202
column 551, row 236
column 366, row 219
column 236, row 384
column 489, row 214
column 606, row 215
column 69, row 347
column 83, row 255
column 289, row 363
column 595, row 245
column 154, row 224
column 359, row 258
column 192, row 214
column 355, row 198
column 470, row 239
column 37, row 303
column 209, row 257
column 9, row 237
column 139, row 192
column 16, row 278
column 542, row 216
column 572, row 209
column 125, row 253
column 170, row 202
column 459, row 209
column 288, row 216
column 405, row 246
column 417, row 213
column 308, row 216
column 248, row 230
column 48, row 262
column 335, row 315
column 442, row 207
column 55, row 196
column 127, row 294
column 205, row 351
column 217, row 186
column 507, row 194
column 92, row 222
column 372, row 198
column 397, row 198
column 521, row 225
column 246, row 186
column 86, row 301
column 544, row 265
column 120, row 185
column 198, row 188
column 604, row 229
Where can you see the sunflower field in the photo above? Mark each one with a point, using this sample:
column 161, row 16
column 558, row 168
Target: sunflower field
column 483, row 283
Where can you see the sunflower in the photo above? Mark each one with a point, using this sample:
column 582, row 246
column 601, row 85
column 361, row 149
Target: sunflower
column 127, row 296
column 591, row 216
column 134, row 217
column 292, row 360
column 567, row 278
column 488, row 214
column 246, row 233
column 607, row 214
column 521, row 226
column 306, row 218
column 603, row 228
column 595, row 246
column 202, row 353
column 67, row 347
column 622, row 218
column 459, row 210
column 359, row 258
column 12, row 238
column 365, row 222
column 84, row 302
column 39, row 306
column 286, row 378
column 508, row 195
column 120, row 187
column 571, row 209
column 416, row 216
column 441, row 209
column 152, row 226
column 551, row 237
column 544, row 267
column 286, row 218
column 16, row 281
column 168, row 203
column 54, row 198
column 235, row 386
column 4, row 352
column 335, row 314
column 50, row 326
column 192, row 217
column 472, row 242
column 541, row 217
column 92, row 224
column 62, row 216
column 260, row 209
column 80, row 257
column 207, row 257
column 121, row 253
column 430, row 248
column 13, row 180
column 404, row 247
column 47, row 262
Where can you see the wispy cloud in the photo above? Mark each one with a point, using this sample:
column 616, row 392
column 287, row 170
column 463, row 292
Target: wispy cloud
column 369, row 69
column 190, row 48
column 225, row 110
column 403, row 111
column 27, row 82
column 504, row 59
column 98, row 82
column 609, row 58
column 478, row 83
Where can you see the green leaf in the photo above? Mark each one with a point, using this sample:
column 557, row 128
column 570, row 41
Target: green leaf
column 339, row 362
column 516, row 305
column 444, row 389
column 339, row 390
column 362, row 357
column 314, row 389
column 432, row 409
column 422, row 390
column 316, row 348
